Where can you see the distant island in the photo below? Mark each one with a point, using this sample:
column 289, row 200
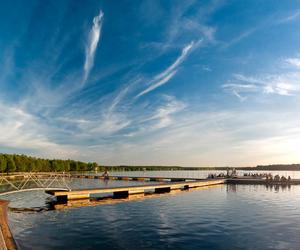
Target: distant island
column 23, row 163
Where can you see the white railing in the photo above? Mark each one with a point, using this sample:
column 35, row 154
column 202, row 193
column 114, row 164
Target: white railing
column 25, row 181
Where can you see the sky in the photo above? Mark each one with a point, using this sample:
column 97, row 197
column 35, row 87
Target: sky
column 149, row 82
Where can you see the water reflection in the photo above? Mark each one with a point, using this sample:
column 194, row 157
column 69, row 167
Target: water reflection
column 233, row 188
column 221, row 217
column 132, row 197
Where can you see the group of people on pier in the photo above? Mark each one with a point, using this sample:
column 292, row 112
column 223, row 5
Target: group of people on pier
column 277, row 178
column 254, row 175
column 229, row 173
column 267, row 176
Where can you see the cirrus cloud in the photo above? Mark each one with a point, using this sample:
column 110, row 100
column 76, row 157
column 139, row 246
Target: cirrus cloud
column 93, row 40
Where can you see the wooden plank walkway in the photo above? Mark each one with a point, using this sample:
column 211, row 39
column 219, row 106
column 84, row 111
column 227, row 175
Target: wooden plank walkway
column 121, row 192
column 132, row 178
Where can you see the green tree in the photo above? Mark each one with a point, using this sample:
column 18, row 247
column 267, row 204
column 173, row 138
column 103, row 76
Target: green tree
column 11, row 166
column 95, row 166
column 82, row 166
column 73, row 166
column 3, row 163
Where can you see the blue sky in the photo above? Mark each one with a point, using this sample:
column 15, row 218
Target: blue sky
column 191, row 83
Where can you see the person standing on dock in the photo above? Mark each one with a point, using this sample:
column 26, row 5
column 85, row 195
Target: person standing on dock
column 106, row 174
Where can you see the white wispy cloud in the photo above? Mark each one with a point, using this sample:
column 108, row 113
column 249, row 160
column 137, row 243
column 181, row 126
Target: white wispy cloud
column 245, row 34
column 25, row 132
column 121, row 94
column 290, row 17
column 246, row 135
column 93, row 40
column 159, row 116
column 182, row 24
column 167, row 74
column 282, row 83
column 156, row 84
column 239, row 89
column 295, row 61
column 285, row 85
column 178, row 61
column 163, row 114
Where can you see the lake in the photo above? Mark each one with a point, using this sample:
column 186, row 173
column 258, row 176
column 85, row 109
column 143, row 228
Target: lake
column 199, row 174
column 219, row 217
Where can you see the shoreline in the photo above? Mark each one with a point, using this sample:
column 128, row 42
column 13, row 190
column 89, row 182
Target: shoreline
column 6, row 238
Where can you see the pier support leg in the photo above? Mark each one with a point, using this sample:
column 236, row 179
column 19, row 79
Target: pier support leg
column 61, row 199
column 121, row 194
column 162, row 190
column 177, row 179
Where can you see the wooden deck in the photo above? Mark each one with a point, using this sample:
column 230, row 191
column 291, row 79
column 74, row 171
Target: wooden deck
column 121, row 192
column 163, row 184
column 132, row 178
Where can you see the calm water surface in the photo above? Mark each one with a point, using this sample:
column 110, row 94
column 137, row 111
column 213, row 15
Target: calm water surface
column 220, row 217
column 199, row 173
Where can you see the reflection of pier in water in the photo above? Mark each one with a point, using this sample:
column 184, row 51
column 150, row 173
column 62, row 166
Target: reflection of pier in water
column 111, row 200
column 123, row 192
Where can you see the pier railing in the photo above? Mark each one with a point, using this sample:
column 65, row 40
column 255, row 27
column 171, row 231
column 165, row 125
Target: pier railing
column 17, row 182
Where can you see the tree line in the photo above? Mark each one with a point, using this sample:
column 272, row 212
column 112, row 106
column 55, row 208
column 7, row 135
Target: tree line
column 287, row 167
column 23, row 163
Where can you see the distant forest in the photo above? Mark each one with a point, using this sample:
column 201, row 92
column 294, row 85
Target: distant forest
column 292, row 167
column 23, row 163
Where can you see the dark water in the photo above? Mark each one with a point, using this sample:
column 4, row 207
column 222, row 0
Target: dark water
column 220, row 217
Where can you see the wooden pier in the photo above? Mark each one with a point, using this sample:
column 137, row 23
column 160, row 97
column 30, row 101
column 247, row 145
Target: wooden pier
column 132, row 178
column 122, row 192
column 162, row 185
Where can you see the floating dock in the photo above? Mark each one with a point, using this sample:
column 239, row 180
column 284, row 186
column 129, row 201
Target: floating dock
column 164, row 185
column 133, row 178
column 122, row 192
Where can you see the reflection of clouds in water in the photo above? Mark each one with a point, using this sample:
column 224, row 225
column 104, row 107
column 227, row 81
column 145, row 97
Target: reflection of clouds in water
column 251, row 215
